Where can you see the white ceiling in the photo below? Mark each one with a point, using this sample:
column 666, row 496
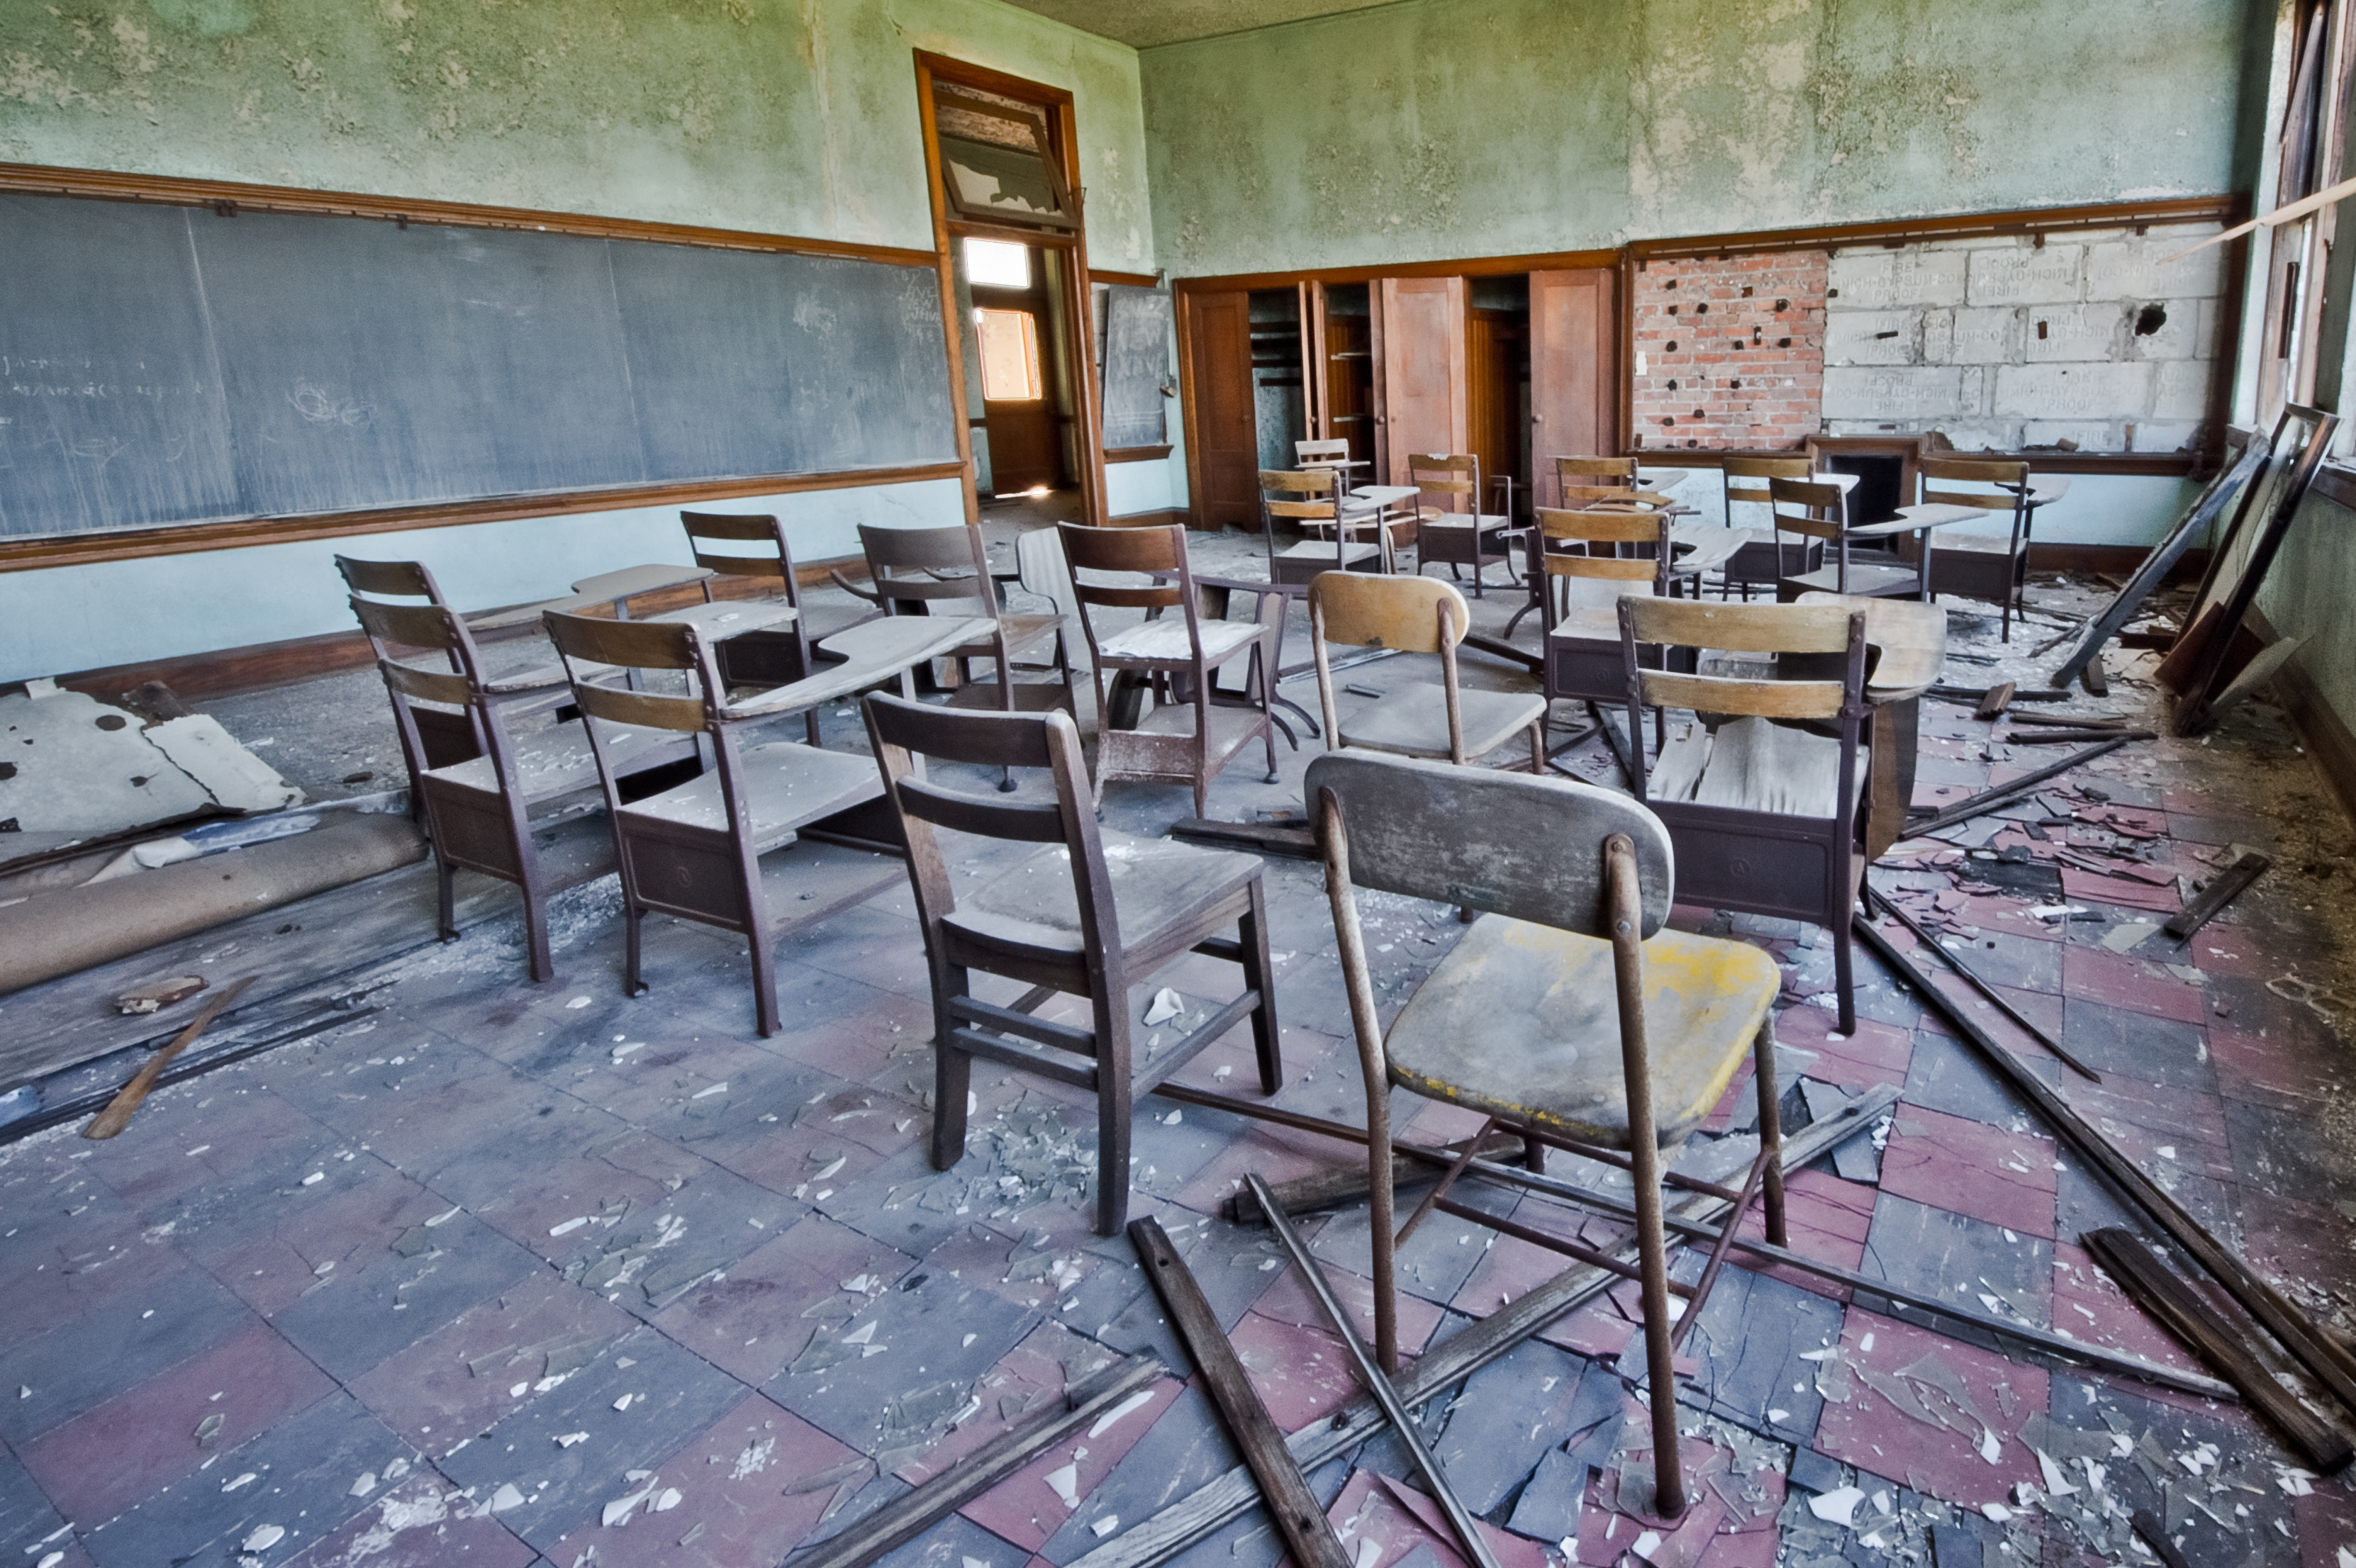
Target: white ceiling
column 1142, row 24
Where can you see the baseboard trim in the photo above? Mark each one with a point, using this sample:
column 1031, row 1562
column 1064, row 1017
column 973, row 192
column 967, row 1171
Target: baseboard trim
column 260, row 665
column 1161, row 519
column 2118, row 560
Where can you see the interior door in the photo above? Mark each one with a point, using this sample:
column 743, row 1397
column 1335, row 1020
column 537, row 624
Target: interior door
column 1574, row 372
column 1426, row 391
column 1026, row 449
column 1227, row 441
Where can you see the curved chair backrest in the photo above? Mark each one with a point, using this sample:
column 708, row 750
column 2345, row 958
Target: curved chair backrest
column 1989, row 485
column 1747, row 629
column 772, row 558
column 1805, row 507
column 600, row 653
column 927, row 564
column 1747, row 479
column 390, row 579
column 1408, row 615
column 1464, row 835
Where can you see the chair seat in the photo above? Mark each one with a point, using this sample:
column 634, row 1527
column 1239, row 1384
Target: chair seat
column 1166, row 639
column 557, row 760
column 787, row 786
column 1523, row 1021
column 1463, row 522
column 1158, row 886
column 1864, row 581
column 1412, row 721
column 1752, row 765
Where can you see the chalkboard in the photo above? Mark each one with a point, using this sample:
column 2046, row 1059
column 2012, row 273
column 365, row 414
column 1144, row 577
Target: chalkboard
column 1136, row 365
column 163, row 365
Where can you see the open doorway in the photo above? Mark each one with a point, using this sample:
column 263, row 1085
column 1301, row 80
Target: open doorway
column 1020, row 441
column 1006, row 206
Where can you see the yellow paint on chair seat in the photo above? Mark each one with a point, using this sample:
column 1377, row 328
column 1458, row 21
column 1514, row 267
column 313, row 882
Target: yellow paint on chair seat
column 1523, row 1020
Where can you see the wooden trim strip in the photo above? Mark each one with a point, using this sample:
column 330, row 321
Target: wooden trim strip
column 1134, row 279
column 229, row 197
column 1468, row 267
column 1135, row 454
column 1893, row 232
column 86, row 549
column 2167, row 464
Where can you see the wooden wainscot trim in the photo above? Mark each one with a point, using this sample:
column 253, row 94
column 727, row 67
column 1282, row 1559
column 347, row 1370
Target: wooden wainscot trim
column 1136, row 453
column 1133, row 279
column 261, row 664
column 2223, row 208
column 230, row 198
column 130, row 544
column 2160, row 465
column 1161, row 519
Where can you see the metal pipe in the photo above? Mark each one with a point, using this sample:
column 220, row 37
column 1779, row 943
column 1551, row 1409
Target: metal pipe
column 1467, row 1533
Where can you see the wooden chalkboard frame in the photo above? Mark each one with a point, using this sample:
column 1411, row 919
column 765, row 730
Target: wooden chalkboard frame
column 230, row 197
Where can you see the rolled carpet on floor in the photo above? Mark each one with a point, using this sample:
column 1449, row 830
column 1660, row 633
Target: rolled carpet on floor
column 60, row 933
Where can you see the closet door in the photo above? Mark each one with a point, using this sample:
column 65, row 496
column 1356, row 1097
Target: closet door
column 1426, row 403
column 1224, row 440
column 1574, row 370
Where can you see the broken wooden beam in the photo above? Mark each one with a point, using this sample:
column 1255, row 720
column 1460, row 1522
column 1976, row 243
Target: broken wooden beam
column 1441, row 1365
column 2181, row 1311
column 2094, row 677
column 2228, row 886
column 117, row 1115
column 2072, row 737
column 2329, row 1362
column 1998, row 699
column 1290, row 1502
column 899, row 1521
column 2006, row 794
column 2154, row 1535
column 2072, row 720
column 1261, row 837
column 1972, row 696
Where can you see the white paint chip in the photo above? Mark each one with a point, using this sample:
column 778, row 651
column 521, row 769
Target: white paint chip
column 1838, row 1505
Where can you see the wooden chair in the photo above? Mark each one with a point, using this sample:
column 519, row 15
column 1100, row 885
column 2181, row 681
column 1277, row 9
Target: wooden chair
column 1759, row 560
column 1762, row 811
column 1819, row 512
column 1416, row 616
column 915, row 569
column 477, row 809
column 1457, row 531
column 1310, row 500
column 1099, row 915
column 1569, row 1013
column 694, row 850
column 1587, row 560
column 1980, row 566
column 777, row 652
column 1177, row 653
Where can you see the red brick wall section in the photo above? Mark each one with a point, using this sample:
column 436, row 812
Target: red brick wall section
column 1732, row 351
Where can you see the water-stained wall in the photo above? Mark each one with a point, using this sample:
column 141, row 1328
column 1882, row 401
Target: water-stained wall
column 1443, row 128
column 787, row 116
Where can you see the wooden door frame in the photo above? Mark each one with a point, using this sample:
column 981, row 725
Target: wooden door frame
column 1065, row 251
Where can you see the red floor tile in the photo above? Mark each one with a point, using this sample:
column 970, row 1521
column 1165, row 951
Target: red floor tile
column 2123, row 981
column 761, row 1313
column 1970, row 1168
column 1027, row 1509
column 420, row 1521
column 1939, row 1457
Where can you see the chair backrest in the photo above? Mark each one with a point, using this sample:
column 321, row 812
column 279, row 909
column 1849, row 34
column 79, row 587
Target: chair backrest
column 1800, row 629
column 1464, row 836
column 602, row 656
column 1408, row 615
column 1747, row 479
column 1975, row 481
column 1453, row 476
column 390, row 579
column 1609, row 529
column 1329, row 448
column 1805, row 507
column 927, row 565
column 900, row 731
column 1613, row 498
column 398, row 634
column 1618, row 472
column 1310, row 494
column 770, row 556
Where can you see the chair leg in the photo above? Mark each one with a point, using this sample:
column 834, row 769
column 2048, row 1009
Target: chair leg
column 1259, row 974
column 765, row 975
column 535, row 931
column 1771, row 1133
column 952, row 1072
column 634, row 918
column 810, row 721
column 1653, row 1263
column 1113, row 1112
column 445, row 876
column 1537, row 748
column 1843, row 976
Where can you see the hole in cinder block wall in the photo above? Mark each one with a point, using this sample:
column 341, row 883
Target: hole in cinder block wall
column 2150, row 319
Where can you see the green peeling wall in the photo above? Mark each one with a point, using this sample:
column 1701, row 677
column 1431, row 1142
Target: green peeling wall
column 785, row 116
column 1447, row 128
